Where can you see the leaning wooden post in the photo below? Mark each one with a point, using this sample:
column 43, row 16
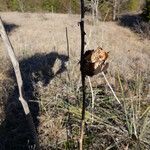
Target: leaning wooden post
column 10, row 51
column 82, row 74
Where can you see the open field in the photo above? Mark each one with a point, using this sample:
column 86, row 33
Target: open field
column 52, row 84
column 42, row 32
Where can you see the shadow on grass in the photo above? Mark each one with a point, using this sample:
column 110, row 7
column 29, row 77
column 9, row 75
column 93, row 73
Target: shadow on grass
column 130, row 21
column 14, row 131
column 136, row 24
column 9, row 27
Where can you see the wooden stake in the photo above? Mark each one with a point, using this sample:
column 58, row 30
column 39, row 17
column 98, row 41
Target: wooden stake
column 82, row 75
column 10, row 51
column 68, row 53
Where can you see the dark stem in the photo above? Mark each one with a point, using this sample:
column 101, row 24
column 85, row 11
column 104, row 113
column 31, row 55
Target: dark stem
column 82, row 75
column 68, row 52
column 68, row 47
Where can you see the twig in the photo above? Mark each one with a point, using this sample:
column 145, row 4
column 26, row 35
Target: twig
column 82, row 74
column 111, row 88
column 15, row 64
column 92, row 94
column 68, row 47
column 68, row 53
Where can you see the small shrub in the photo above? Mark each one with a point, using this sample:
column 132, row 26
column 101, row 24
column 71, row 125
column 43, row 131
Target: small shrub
column 61, row 6
column 133, row 5
column 50, row 5
column 146, row 11
column 106, row 11
column 143, row 29
column 14, row 5
column 75, row 6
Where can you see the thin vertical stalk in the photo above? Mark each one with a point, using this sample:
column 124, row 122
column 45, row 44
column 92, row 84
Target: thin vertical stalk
column 68, row 53
column 82, row 74
column 114, row 9
column 124, row 105
column 93, row 98
column 68, row 47
column 111, row 87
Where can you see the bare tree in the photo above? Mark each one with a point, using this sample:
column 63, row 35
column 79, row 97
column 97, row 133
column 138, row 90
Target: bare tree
column 21, row 5
column 114, row 9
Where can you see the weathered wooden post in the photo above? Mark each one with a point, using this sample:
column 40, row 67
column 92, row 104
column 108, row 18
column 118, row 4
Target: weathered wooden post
column 10, row 51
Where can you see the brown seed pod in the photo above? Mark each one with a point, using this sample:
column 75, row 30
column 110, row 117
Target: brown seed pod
column 94, row 61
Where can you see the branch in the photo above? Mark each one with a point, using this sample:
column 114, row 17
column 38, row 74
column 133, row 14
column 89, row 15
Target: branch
column 111, row 88
column 93, row 98
column 68, row 52
column 82, row 74
column 15, row 64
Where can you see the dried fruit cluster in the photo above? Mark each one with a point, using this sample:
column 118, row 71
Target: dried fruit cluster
column 94, row 61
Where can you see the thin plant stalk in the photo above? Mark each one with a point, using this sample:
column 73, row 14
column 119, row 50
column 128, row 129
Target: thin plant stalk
column 68, row 53
column 82, row 75
column 93, row 99
column 111, row 88
column 124, row 105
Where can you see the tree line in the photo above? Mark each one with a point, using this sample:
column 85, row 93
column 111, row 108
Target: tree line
column 108, row 9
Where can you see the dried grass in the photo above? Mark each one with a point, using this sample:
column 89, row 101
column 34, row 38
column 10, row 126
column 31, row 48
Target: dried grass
column 60, row 106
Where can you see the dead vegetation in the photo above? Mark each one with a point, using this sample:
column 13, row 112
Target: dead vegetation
column 55, row 100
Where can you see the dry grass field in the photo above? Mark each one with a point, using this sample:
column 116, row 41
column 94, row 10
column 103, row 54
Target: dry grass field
column 52, row 84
